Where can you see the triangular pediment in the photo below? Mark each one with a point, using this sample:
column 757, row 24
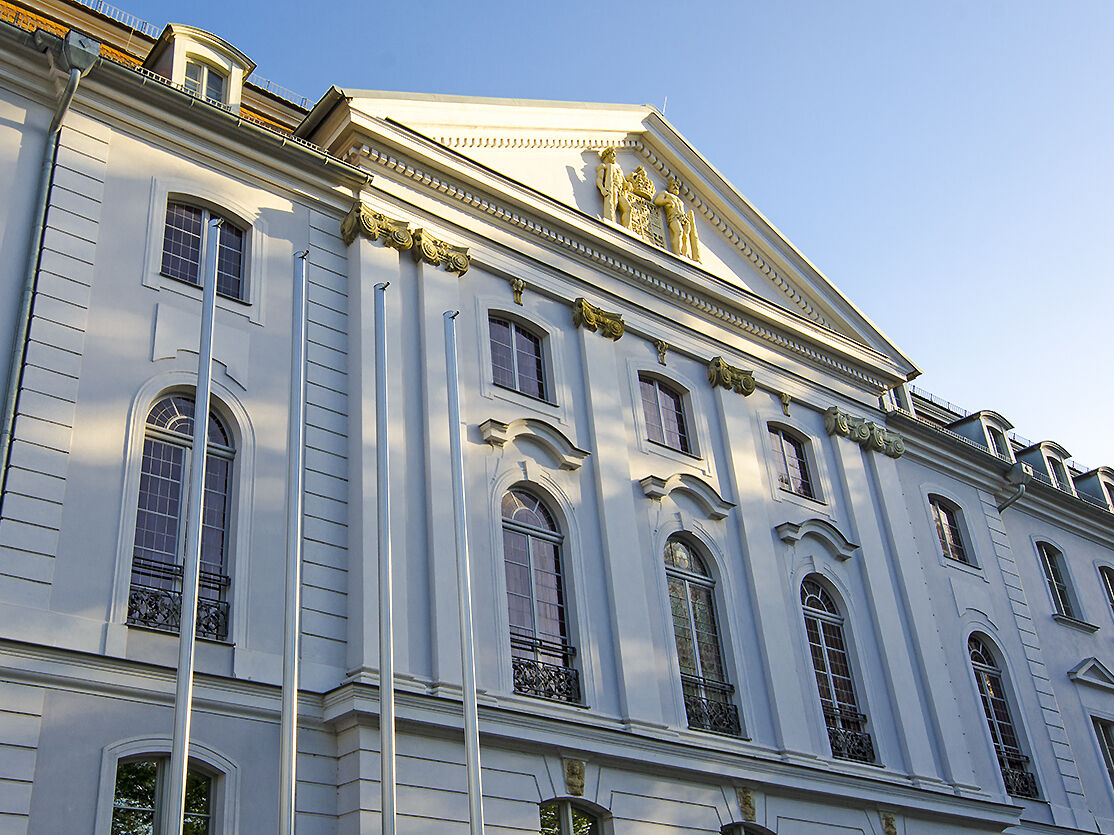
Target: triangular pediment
column 613, row 166
column 1094, row 672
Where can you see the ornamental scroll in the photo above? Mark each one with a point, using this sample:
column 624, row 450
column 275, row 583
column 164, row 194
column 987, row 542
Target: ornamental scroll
column 436, row 252
column 633, row 201
column 730, row 377
column 866, row 434
column 585, row 315
column 362, row 221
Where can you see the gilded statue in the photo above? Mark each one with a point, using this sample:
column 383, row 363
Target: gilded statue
column 613, row 186
column 682, row 224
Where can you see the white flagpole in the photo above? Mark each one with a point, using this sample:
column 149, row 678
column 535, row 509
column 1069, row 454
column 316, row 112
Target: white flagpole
column 464, row 591
column 386, row 624
column 191, row 568
column 296, row 450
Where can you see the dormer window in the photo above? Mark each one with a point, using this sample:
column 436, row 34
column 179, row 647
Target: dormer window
column 1059, row 474
column 998, row 443
column 203, row 80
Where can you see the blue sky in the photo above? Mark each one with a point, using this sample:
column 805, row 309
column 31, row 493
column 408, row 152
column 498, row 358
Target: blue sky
column 948, row 165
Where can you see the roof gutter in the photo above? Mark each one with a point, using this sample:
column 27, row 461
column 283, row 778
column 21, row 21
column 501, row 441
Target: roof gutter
column 75, row 55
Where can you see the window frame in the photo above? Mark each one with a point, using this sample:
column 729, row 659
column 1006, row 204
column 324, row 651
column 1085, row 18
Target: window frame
column 1058, row 474
column 699, row 686
column 1058, row 581
column 521, row 665
column 941, row 506
column 842, row 719
column 565, row 809
column 516, row 324
column 207, row 70
column 208, row 213
column 1002, row 752
column 807, row 461
column 687, row 435
column 222, row 771
column 1106, row 579
column 1104, row 737
column 226, row 452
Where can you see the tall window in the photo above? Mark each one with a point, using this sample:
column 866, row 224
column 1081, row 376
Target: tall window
column 1000, row 446
column 1059, row 474
column 516, row 358
column 184, row 244
column 665, row 414
column 1107, row 575
column 141, row 792
column 156, row 582
column 1104, row 730
column 703, row 678
column 559, row 817
column 203, row 80
column 1055, row 573
column 947, row 529
column 542, row 655
column 791, row 463
column 824, row 627
column 1014, row 765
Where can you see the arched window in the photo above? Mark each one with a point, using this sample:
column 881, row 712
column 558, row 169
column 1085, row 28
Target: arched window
column 516, row 358
column 946, row 516
column 791, row 463
column 664, row 409
column 156, row 582
column 1014, row 765
column 703, row 677
column 541, row 652
column 140, row 792
column 1056, row 575
column 560, row 817
column 184, row 243
column 834, row 679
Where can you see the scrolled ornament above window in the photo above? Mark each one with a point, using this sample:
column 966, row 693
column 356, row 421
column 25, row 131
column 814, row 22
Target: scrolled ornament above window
column 586, row 315
column 866, row 434
column 720, row 374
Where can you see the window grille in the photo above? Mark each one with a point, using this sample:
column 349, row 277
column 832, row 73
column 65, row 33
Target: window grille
column 1012, row 762
column 184, row 244
column 1054, row 573
column 516, row 358
column 947, row 529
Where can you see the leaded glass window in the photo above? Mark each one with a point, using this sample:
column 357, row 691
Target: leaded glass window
column 155, row 597
column 663, row 407
column 708, row 696
column 541, row 651
column 183, row 249
column 834, row 679
column 791, row 463
column 1012, row 762
column 516, row 358
column 947, row 530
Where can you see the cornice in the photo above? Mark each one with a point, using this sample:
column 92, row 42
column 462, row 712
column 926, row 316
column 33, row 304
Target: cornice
column 471, row 197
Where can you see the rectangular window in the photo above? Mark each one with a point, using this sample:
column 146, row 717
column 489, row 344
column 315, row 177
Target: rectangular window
column 791, row 462
column 1054, row 573
column 203, row 80
column 664, row 411
column 184, row 244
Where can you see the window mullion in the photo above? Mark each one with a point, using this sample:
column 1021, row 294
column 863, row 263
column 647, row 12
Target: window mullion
column 692, row 631
column 514, row 355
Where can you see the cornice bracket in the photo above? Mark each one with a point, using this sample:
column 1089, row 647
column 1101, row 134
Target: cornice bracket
column 436, row 252
column 866, row 434
column 585, row 315
column 363, row 222
column 720, row 374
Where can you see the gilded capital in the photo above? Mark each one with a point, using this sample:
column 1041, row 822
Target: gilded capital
column 362, row 221
column 865, row 433
column 436, row 252
column 730, row 377
column 585, row 315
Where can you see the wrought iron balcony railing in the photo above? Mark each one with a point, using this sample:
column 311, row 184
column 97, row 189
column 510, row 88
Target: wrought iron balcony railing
column 845, row 733
column 1019, row 781
column 559, row 682
column 155, row 599
column 709, row 707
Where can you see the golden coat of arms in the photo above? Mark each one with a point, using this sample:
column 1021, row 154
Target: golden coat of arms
column 632, row 201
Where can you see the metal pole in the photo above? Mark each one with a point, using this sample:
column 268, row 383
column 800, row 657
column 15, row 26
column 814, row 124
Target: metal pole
column 296, row 451
column 383, row 522
column 191, row 567
column 464, row 590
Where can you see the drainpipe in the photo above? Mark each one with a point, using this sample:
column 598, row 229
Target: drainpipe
column 1020, row 474
column 74, row 55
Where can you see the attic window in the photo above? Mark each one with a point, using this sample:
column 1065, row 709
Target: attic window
column 203, row 80
column 999, row 444
column 1059, row 474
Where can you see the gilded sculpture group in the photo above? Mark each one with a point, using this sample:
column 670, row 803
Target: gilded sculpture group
column 627, row 199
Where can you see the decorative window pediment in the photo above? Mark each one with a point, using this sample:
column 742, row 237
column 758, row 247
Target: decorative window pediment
column 705, row 495
column 552, row 439
column 1093, row 672
column 793, row 532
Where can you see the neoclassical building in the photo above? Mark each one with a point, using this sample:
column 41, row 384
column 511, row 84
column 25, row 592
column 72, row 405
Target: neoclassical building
column 730, row 573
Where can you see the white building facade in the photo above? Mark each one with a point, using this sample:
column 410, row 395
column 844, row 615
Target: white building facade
column 728, row 576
